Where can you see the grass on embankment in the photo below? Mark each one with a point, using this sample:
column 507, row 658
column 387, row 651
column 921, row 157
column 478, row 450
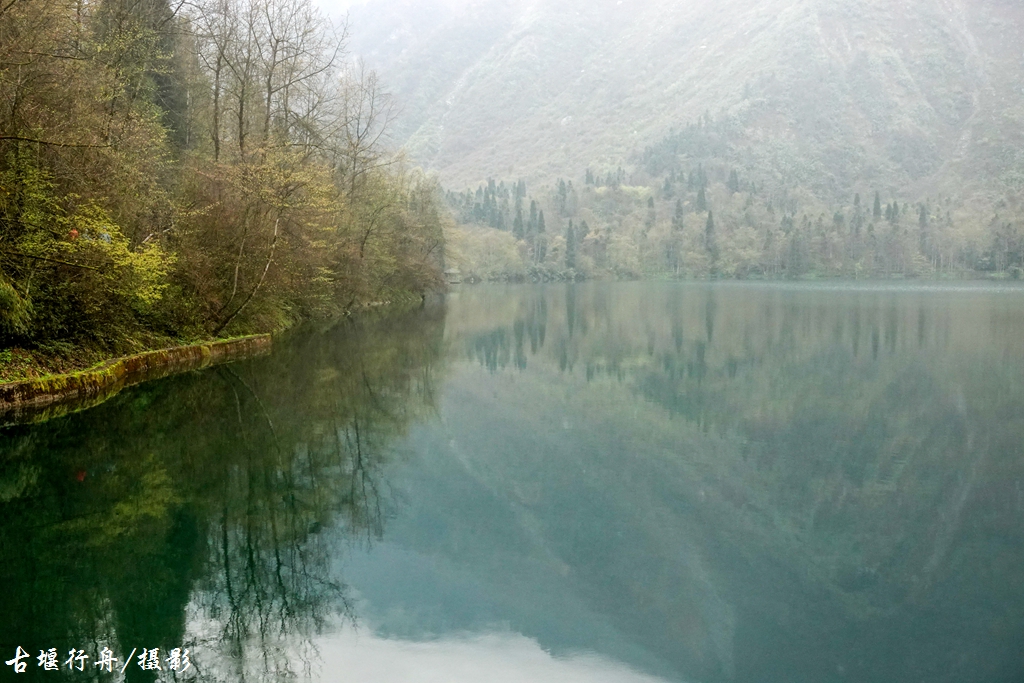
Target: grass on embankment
column 63, row 358
column 17, row 365
column 20, row 364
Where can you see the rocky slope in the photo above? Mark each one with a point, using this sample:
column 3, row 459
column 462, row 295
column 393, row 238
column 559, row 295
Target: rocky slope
column 918, row 96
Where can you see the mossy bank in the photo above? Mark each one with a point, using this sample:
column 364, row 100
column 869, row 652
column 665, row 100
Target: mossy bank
column 42, row 398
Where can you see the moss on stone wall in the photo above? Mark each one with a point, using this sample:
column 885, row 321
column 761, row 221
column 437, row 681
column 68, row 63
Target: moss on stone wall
column 46, row 397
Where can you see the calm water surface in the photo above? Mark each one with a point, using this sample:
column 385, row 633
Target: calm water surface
column 605, row 482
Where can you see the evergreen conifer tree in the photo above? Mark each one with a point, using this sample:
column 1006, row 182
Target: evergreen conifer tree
column 517, row 225
column 651, row 216
column 710, row 241
column 570, row 247
column 541, row 244
column 922, row 222
column 677, row 217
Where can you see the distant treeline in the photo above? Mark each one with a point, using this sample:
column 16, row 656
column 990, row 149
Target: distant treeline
column 683, row 210
column 175, row 170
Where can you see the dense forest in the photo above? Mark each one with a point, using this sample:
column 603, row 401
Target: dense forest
column 683, row 209
column 173, row 171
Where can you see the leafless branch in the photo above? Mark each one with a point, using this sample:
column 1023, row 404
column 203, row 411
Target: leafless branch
column 51, row 143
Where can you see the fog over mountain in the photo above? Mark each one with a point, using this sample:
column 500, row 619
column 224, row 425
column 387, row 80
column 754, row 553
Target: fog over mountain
column 835, row 96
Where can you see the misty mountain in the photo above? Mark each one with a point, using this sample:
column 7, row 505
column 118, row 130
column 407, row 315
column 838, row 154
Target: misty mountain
column 834, row 96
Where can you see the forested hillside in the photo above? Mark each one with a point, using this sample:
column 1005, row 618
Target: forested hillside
column 675, row 218
column 172, row 171
column 782, row 113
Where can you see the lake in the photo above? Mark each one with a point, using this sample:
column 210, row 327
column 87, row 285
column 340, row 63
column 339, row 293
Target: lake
column 608, row 482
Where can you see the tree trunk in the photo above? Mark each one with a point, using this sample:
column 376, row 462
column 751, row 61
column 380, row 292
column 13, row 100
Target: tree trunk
column 263, row 277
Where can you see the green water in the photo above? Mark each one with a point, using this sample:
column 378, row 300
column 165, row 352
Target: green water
column 603, row 482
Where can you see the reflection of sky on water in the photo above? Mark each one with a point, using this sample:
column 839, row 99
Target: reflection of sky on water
column 496, row 531
column 496, row 658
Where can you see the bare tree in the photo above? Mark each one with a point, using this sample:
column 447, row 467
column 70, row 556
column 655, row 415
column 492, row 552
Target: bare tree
column 364, row 115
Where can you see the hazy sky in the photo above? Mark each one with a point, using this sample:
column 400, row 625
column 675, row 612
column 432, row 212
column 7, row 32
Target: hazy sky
column 335, row 8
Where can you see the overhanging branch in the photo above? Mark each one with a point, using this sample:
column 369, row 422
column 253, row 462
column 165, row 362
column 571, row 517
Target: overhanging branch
column 45, row 258
column 51, row 143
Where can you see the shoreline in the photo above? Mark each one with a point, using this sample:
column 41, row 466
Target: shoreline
column 37, row 400
column 564, row 277
column 27, row 401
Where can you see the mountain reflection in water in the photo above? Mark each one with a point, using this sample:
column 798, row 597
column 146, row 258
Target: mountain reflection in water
column 495, row 658
column 602, row 482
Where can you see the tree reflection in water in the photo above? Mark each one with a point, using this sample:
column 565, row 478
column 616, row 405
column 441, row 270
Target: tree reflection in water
column 194, row 511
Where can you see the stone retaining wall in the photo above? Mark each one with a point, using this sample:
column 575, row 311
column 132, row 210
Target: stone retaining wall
column 39, row 399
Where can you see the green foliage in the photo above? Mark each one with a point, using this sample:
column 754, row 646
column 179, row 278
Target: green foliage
column 133, row 278
column 750, row 235
column 150, row 191
column 15, row 310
